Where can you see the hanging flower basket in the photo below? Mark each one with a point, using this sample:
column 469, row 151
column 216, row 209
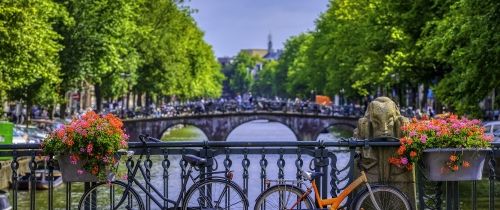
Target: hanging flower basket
column 87, row 148
column 435, row 164
column 75, row 172
column 450, row 148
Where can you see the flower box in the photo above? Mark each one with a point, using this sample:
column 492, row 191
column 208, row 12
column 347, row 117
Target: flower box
column 88, row 147
column 446, row 145
column 76, row 173
column 434, row 162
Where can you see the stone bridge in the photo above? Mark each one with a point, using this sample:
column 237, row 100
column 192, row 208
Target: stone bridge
column 217, row 127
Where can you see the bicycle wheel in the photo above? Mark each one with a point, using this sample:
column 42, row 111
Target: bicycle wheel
column 283, row 197
column 215, row 194
column 387, row 198
column 110, row 196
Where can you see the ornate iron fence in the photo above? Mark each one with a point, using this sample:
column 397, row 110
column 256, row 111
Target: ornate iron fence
column 252, row 162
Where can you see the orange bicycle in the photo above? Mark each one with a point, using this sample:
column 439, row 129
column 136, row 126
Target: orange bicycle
column 286, row 195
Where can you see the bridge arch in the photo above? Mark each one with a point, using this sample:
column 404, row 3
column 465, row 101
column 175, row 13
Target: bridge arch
column 259, row 119
column 337, row 124
column 185, row 124
column 217, row 127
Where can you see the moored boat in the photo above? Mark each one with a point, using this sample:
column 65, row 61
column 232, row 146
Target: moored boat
column 4, row 201
column 42, row 180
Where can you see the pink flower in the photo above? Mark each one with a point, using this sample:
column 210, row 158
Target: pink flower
column 423, row 138
column 73, row 159
column 123, row 143
column 488, row 138
column 90, row 147
column 404, row 160
column 80, row 171
column 413, row 133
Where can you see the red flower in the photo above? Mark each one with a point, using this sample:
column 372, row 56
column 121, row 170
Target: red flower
column 413, row 154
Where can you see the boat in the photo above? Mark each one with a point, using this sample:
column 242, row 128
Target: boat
column 4, row 201
column 42, row 180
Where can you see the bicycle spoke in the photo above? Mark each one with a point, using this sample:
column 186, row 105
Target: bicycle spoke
column 110, row 197
column 283, row 198
column 387, row 198
column 215, row 195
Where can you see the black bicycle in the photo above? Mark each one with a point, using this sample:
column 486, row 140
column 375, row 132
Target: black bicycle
column 209, row 190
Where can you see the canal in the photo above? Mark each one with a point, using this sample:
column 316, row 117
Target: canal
column 260, row 130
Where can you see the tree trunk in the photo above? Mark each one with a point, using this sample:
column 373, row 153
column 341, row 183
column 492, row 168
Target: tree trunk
column 98, row 97
column 50, row 111
column 139, row 99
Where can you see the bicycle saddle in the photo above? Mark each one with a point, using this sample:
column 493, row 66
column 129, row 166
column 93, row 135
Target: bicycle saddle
column 310, row 175
column 194, row 160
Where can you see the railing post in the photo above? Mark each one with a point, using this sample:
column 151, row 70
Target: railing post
column 165, row 164
column 452, row 195
column 51, row 182
column 14, row 166
column 32, row 166
column 492, row 178
column 148, row 164
column 245, row 164
column 321, row 165
column 263, row 165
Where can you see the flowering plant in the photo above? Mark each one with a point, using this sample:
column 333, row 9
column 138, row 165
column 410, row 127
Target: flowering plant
column 91, row 139
column 446, row 131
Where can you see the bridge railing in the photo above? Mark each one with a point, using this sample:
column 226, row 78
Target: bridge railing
column 252, row 162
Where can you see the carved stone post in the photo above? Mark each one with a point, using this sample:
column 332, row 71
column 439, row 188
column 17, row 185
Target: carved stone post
column 383, row 119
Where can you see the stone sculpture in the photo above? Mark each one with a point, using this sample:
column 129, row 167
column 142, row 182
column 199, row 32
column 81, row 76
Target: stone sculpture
column 383, row 119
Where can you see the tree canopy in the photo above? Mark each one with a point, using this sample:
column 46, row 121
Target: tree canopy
column 153, row 47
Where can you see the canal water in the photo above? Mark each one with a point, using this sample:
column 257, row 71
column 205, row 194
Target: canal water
column 260, row 130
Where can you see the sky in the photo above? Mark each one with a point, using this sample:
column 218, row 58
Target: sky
column 232, row 25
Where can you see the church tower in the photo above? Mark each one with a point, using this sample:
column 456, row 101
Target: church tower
column 269, row 44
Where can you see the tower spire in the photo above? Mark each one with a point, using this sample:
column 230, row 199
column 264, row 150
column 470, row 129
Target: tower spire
column 269, row 43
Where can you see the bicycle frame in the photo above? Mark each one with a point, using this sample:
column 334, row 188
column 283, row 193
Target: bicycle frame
column 185, row 178
column 333, row 202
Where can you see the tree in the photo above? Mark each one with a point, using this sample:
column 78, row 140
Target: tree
column 29, row 68
column 468, row 40
column 239, row 73
column 175, row 58
column 293, row 72
column 265, row 83
column 98, row 45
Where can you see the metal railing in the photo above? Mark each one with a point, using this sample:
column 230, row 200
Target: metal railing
column 252, row 162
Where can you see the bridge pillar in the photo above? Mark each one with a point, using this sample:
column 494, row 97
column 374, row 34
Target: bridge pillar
column 306, row 136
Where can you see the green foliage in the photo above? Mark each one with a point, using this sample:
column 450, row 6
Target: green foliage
column 293, row 72
column 29, row 48
column 99, row 45
column 152, row 47
column 239, row 72
column 468, row 39
column 176, row 60
column 265, row 82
